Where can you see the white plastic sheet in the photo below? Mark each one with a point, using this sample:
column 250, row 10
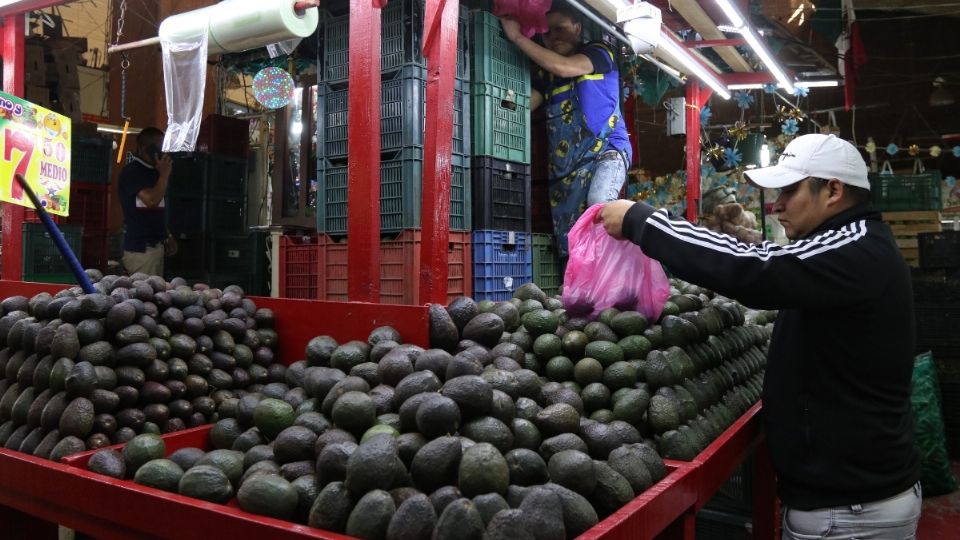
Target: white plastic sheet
column 184, row 79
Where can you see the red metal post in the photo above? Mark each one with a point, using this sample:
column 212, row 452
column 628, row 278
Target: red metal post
column 766, row 505
column 693, row 149
column 363, row 147
column 440, row 49
column 12, row 34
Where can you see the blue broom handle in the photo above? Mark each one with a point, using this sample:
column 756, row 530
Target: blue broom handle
column 58, row 239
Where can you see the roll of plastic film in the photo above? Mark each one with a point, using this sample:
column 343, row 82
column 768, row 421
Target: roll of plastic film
column 240, row 25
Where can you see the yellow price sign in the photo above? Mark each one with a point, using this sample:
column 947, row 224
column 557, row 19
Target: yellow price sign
column 34, row 142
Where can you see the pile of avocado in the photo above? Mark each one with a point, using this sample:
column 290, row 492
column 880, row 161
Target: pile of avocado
column 518, row 423
column 141, row 355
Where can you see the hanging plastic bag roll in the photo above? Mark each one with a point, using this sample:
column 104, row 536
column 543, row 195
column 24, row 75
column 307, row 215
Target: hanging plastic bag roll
column 184, row 81
column 240, row 25
column 604, row 272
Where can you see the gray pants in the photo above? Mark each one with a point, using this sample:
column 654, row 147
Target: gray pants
column 894, row 518
column 608, row 178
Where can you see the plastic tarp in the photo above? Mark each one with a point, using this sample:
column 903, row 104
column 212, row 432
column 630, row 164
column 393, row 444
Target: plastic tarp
column 184, row 79
column 935, row 476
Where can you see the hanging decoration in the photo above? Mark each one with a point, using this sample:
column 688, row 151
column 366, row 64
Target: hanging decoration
column 913, row 150
column 801, row 91
column 892, row 149
column 935, row 151
column 273, row 87
column 786, row 113
column 790, row 127
column 715, row 152
column 705, row 114
column 870, row 147
column 956, row 151
column 738, row 131
column 731, row 157
column 769, row 88
column 744, row 99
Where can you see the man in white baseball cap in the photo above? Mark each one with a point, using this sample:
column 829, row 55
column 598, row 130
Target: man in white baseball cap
column 835, row 176
column 836, row 392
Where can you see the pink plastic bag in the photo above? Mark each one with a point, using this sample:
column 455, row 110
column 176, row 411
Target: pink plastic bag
column 531, row 14
column 604, row 272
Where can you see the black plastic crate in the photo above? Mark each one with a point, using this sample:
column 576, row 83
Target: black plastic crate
column 938, row 328
column 227, row 177
column 401, row 32
column 939, row 250
column 226, row 215
column 255, row 285
column 402, row 115
column 185, row 213
column 905, row 192
column 501, row 194
column 41, row 258
column 192, row 257
column 950, row 405
column 246, row 254
column 188, row 177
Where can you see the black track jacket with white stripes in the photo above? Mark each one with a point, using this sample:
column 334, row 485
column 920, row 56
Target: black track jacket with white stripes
column 836, row 395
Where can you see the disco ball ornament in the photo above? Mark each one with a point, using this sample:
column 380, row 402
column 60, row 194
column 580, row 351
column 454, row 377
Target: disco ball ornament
column 273, row 87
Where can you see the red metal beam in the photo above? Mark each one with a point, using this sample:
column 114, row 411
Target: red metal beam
column 696, row 98
column 704, row 43
column 440, row 49
column 23, row 6
column 363, row 147
column 12, row 36
column 755, row 77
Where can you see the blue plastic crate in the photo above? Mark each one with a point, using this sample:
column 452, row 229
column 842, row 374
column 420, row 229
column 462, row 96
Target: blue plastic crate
column 401, row 32
column 502, row 261
column 402, row 115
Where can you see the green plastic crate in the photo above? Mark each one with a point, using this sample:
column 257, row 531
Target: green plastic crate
column 547, row 273
column 401, row 192
column 494, row 60
column 50, row 278
column 906, row 192
column 498, row 130
column 41, row 258
column 246, row 254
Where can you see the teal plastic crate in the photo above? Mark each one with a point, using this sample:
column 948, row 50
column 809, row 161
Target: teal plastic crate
column 401, row 192
column 41, row 258
column 402, row 115
column 547, row 273
column 500, row 131
column 401, row 33
column 90, row 160
column 493, row 59
column 906, row 192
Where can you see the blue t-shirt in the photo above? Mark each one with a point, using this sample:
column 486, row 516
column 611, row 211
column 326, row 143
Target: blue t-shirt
column 598, row 92
column 144, row 225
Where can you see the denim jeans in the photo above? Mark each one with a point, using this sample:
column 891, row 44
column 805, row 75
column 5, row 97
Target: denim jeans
column 894, row 518
column 608, row 178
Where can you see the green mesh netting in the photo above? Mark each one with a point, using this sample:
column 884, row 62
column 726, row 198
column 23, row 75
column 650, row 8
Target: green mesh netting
column 935, row 477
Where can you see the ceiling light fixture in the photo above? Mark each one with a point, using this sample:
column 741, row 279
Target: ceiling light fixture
column 807, row 84
column 759, row 48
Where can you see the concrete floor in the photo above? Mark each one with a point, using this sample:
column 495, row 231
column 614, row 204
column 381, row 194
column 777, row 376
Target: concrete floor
column 940, row 519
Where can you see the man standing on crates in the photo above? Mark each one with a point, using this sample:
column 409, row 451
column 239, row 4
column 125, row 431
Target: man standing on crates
column 836, row 393
column 589, row 146
column 143, row 186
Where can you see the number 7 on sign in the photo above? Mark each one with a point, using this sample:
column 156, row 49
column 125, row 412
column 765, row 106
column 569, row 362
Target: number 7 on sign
column 17, row 140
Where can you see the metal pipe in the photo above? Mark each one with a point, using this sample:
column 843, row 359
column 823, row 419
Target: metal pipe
column 615, row 32
column 133, row 45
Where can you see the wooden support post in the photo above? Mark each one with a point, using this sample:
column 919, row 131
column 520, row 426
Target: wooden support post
column 363, row 147
column 440, row 49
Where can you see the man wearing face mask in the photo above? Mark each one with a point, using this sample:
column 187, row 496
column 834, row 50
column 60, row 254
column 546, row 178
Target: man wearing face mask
column 580, row 85
column 143, row 185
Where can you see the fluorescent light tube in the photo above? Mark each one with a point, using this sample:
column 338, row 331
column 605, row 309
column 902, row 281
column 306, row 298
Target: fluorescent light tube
column 750, row 35
column 806, row 84
column 731, row 12
column 681, row 55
